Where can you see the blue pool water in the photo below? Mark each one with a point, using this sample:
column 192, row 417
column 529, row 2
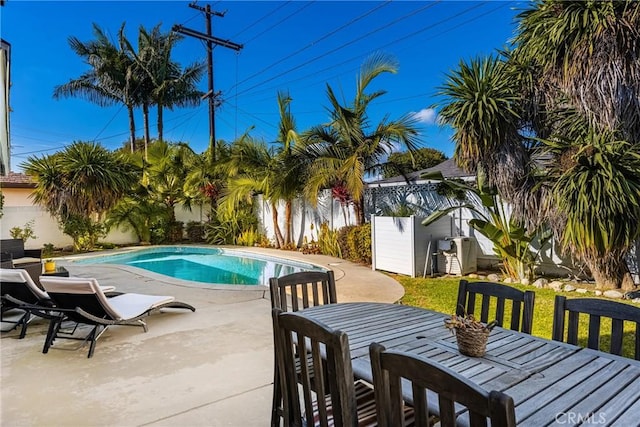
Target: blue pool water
column 208, row 265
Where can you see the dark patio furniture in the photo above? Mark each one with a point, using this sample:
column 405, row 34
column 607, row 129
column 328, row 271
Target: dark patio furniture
column 292, row 293
column 82, row 300
column 521, row 303
column 334, row 399
column 544, row 377
column 20, row 294
column 390, row 367
column 595, row 309
column 14, row 248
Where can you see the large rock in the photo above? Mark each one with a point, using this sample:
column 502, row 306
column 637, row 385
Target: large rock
column 556, row 285
column 581, row 291
column 540, row 283
column 493, row 277
column 525, row 281
column 613, row 294
column 569, row 288
column 508, row 280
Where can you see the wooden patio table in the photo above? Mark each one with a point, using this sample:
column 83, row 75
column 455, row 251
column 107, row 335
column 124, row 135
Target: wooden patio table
column 551, row 383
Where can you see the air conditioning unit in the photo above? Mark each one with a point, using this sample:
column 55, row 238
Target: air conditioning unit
column 457, row 255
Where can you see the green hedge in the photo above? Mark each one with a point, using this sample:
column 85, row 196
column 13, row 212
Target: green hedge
column 355, row 243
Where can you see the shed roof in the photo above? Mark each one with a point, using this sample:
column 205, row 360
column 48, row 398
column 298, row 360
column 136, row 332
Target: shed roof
column 17, row 180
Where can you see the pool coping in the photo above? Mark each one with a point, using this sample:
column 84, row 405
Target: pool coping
column 64, row 261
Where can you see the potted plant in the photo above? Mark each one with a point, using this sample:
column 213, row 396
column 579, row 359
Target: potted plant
column 471, row 335
column 49, row 265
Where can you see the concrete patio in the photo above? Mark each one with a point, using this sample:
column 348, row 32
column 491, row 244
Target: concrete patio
column 213, row 367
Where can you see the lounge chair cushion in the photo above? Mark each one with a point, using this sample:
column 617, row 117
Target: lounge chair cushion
column 26, row 260
column 127, row 306
column 121, row 307
column 16, row 275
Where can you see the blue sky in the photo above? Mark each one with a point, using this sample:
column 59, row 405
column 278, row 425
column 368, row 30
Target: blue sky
column 295, row 46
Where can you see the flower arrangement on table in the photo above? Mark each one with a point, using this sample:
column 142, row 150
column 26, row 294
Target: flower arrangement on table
column 471, row 335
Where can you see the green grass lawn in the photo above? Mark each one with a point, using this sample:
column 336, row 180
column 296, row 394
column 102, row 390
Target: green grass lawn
column 440, row 294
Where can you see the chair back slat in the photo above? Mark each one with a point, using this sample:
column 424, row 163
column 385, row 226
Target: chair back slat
column 302, row 290
column 391, row 367
column 595, row 309
column 521, row 303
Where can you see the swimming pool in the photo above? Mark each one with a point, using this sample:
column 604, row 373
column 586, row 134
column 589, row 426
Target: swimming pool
column 206, row 265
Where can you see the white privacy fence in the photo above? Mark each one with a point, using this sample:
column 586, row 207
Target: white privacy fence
column 403, row 245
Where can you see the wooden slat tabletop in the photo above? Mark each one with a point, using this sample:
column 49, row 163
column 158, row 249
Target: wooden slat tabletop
column 551, row 383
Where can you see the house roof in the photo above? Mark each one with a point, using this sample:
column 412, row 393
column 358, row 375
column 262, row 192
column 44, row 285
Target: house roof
column 448, row 168
column 17, row 180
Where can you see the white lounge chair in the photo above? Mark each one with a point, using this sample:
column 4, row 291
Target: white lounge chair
column 83, row 301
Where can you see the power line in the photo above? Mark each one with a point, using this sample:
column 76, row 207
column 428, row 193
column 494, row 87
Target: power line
column 261, row 19
column 314, row 42
column 320, row 72
column 306, row 5
column 342, row 46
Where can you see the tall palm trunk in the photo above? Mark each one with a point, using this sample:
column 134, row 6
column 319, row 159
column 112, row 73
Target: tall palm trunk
column 160, row 123
column 132, row 127
column 145, row 117
column 276, row 227
column 358, row 207
column 288, row 222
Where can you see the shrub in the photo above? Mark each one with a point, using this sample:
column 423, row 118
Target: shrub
column 176, row 231
column 195, row 231
column 328, row 241
column 84, row 232
column 226, row 229
column 47, row 250
column 249, row 238
column 355, row 243
column 25, row 233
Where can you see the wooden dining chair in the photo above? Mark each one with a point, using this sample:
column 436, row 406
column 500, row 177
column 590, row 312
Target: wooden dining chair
column 391, row 368
column 331, row 398
column 521, row 303
column 595, row 309
column 301, row 290
column 295, row 292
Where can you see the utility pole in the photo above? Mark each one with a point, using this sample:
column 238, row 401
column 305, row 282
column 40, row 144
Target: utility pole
column 211, row 40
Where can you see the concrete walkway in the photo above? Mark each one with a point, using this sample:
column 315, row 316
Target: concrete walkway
column 213, row 367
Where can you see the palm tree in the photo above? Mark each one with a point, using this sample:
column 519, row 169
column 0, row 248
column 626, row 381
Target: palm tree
column 596, row 186
column 481, row 102
column 111, row 78
column 587, row 52
column 347, row 148
column 82, row 182
column 254, row 169
column 587, row 110
column 170, row 85
column 165, row 175
column 292, row 178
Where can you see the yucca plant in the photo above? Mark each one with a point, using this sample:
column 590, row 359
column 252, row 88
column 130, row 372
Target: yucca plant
column 596, row 186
